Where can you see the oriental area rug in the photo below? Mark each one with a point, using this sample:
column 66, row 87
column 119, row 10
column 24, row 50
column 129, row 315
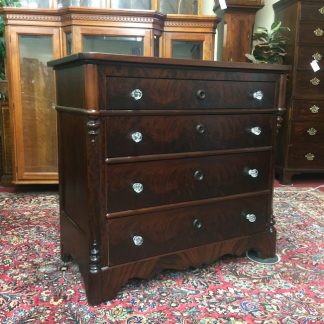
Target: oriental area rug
column 37, row 287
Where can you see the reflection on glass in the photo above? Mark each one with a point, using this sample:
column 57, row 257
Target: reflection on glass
column 187, row 49
column 189, row 7
column 37, row 97
column 68, row 3
column 156, row 46
column 35, row 3
column 113, row 44
column 68, row 43
column 131, row 4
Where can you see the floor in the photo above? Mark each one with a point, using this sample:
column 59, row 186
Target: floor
column 305, row 180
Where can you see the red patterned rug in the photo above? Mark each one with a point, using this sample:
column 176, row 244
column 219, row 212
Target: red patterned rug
column 36, row 287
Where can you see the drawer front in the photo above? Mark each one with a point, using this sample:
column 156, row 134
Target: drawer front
column 312, row 110
column 306, row 156
column 307, row 54
column 310, row 84
column 142, row 236
column 312, row 33
column 147, row 184
column 155, row 94
column 312, row 11
column 143, row 135
column 308, row 132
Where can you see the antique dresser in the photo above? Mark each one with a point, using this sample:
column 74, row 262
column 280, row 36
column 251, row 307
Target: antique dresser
column 163, row 163
column 301, row 139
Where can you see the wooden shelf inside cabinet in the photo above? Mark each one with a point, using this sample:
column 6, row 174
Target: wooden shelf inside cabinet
column 236, row 28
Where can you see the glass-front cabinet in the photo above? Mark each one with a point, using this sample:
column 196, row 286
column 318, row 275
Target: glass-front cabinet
column 58, row 28
column 31, row 100
column 185, row 7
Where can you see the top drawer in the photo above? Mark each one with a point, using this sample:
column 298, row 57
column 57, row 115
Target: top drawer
column 155, row 94
column 312, row 11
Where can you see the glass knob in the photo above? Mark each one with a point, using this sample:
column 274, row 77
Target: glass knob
column 312, row 131
column 197, row 223
column 310, row 156
column 319, row 32
column 258, row 95
column 198, row 175
column 136, row 94
column 200, row 129
column 138, row 240
column 256, row 130
column 137, row 137
column 201, row 94
column 321, row 10
column 253, row 173
column 250, row 217
column 137, row 187
column 314, row 109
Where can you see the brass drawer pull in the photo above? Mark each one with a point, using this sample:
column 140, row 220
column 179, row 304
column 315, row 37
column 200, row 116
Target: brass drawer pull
column 138, row 240
column 312, row 131
column 198, row 175
column 137, row 94
column 256, row 130
column 201, row 94
column 250, row 217
column 200, row 128
column 321, row 10
column 319, row 32
column 197, row 224
column 258, row 95
column 137, row 137
column 137, row 187
column 310, row 156
column 317, row 56
column 315, row 81
column 314, row 109
column 253, row 173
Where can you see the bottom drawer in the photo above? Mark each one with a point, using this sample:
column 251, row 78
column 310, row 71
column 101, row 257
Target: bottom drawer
column 306, row 156
column 146, row 235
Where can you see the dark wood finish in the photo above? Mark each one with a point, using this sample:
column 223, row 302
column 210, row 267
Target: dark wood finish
column 197, row 201
column 235, row 31
column 301, row 137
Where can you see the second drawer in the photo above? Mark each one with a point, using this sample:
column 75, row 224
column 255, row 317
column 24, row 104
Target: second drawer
column 145, row 135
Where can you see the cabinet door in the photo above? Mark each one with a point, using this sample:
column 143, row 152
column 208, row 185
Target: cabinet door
column 31, row 101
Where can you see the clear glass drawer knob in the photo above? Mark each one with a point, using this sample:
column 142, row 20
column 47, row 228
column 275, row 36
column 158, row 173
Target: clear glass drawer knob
column 256, row 130
column 137, row 137
column 258, row 95
column 312, row 131
column 137, row 187
column 136, row 94
column 253, row 173
column 198, row 175
column 250, row 217
column 138, row 240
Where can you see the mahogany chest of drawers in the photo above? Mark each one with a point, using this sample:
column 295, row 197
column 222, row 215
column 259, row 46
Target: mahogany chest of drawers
column 301, row 139
column 163, row 163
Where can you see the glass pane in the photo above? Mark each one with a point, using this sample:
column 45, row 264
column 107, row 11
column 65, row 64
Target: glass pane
column 92, row 3
column 156, row 46
column 68, row 3
column 35, row 3
column 114, row 44
column 131, row 4
column 187, row 49
column 189, row 7
column 37, row 97
column 68, row 44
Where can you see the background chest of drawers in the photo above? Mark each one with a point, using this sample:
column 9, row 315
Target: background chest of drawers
column 301, row 140
column 163, row 163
